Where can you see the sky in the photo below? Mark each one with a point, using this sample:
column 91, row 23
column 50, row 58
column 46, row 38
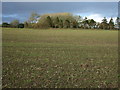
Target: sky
column 92, row 10
column 60, row 0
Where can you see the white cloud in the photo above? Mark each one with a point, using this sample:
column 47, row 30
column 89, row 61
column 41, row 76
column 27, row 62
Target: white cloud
column 96, row 17
column 114, row 18
column 99, row 17
column 12, row 15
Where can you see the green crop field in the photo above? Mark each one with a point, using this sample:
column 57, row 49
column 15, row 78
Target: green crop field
column 57, row 58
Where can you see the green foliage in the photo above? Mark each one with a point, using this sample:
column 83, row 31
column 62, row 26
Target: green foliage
column 74, row 24
column 61, row 23
column 43, row 22
column 5, row 24
column 14, row 23
column 33, row 18
column 66, row 24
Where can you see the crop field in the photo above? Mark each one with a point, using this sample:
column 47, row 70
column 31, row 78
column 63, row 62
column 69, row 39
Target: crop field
column 57, row 58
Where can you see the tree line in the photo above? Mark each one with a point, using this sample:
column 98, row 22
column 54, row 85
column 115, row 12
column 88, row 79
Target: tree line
column 63, row 20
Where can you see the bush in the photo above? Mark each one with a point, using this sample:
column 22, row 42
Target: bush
column 21, row 25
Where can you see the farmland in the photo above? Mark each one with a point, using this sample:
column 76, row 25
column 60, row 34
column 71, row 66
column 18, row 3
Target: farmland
column 59, row 58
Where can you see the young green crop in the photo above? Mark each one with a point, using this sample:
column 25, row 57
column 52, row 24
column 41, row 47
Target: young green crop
column 60, row 58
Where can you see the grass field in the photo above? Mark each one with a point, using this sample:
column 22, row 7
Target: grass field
column 60, row 58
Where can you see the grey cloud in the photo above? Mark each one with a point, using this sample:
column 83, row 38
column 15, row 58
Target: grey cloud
column 23, row 9
column 60, row 0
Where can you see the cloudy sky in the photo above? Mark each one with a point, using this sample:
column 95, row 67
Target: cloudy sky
column 93, row 10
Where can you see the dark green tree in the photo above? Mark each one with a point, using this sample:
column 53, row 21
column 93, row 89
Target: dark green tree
column 26, row 24
column 21, row 25
column 56, row 22
column 104, row 24
column 75, row 24
column 61, row 23
column 118, row 23
column 92, row 23
column 66, row 24
column 85, row 23
column 50, row 22
column 111, row 24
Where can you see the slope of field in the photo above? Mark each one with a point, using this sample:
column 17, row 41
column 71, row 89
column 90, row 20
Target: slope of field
column 60, row 58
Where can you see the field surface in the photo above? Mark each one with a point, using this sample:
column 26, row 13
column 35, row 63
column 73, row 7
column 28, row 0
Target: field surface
column 60, row 58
